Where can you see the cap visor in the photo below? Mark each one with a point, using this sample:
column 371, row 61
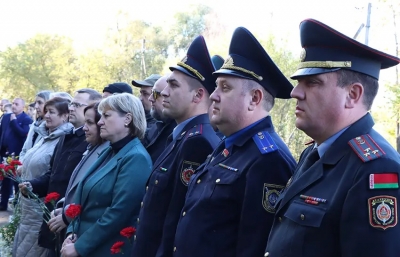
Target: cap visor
column 311, row 71
column 140, row 83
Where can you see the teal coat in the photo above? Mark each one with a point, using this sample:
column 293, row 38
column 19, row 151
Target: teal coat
column 110, row 199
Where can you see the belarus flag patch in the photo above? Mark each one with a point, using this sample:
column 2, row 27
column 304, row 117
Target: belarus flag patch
column 383, row 181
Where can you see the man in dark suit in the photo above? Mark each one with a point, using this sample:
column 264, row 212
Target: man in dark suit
column 185, row 99
column 230, row 204
column 67, row 154
column 156, row 136
column 14, row 128
column 342, row 200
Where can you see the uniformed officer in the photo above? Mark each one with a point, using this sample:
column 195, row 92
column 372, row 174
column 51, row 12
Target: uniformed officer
column 342, row 200
column 185, row 99
column 229, row 207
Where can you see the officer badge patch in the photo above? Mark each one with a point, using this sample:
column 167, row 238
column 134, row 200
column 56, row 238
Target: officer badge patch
column 382, row 211
column 271, row 193
column 187, row 171
column 366, row 148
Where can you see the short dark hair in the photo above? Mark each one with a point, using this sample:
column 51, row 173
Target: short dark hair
column 97, row 117
column 93, row 94
column 61, row 105
column 370, row 84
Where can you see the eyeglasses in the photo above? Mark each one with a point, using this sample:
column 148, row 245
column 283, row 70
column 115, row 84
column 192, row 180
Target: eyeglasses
column 156, row 94
column 76, row 105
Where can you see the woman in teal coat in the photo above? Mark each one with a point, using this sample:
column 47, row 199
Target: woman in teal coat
column 111, row 191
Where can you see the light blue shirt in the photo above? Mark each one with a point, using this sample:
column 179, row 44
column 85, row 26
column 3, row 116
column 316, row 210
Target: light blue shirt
column 178, row 129
column 229, row 141
column 322, row 148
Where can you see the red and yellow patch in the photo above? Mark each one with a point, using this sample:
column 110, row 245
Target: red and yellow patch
column 382, row 211
column 187, row 171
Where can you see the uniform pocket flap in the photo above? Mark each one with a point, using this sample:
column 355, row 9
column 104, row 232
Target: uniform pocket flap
column 305, row 214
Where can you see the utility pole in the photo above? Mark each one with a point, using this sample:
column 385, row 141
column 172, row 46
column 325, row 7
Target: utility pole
column 368, row 24
column 143, row 63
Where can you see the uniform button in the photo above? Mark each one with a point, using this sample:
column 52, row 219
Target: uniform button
column 302, row 217
column 280, row 219
column 134, row 237
column 184, row 213
column 147, row 188
column 198, row 181
column 137, row 220
column 175, row 249
column 266, row 254
column 156, row 182
column 141, row 204
column 218, row 180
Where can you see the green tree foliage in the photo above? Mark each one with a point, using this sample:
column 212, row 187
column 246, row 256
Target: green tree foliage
column 42, row 62
column 187, row 26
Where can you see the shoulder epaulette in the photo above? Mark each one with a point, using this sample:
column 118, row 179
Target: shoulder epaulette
column 264, row 142
column 196, row 130
column 366, row 148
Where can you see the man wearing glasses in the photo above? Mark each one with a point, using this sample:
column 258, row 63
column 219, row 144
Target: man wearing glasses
column 156, row 138
column 67, row 154
column 145, row 92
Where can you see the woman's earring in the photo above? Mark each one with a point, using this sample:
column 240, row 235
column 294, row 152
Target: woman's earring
column 126, row 125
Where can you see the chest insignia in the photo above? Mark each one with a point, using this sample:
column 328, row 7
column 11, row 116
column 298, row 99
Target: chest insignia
column 382, row 211
column 366, row 148
column 271, row 194
column 187, row 171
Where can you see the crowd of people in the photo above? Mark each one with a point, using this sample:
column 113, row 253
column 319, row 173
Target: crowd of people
column 195, row 167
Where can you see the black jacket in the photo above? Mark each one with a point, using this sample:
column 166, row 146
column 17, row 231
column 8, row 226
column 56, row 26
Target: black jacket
column 67, row 154
column 156, row 139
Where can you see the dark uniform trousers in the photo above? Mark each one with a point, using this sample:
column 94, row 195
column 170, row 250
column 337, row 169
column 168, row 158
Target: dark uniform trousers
column 341, row 211
column 167, row 186
column 229, row 206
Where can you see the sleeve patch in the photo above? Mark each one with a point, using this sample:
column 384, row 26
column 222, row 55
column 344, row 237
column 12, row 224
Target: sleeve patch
column 382, row 211
column 187, row 171
column 366, row 148
column 264, row 142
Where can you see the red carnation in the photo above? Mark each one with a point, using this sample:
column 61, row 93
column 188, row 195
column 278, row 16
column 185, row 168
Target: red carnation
column 117, row 247
column 128, row 232
column 51, row 197
column 73, row 211
column 10, row 169
column 2, row 166
column 15, row 162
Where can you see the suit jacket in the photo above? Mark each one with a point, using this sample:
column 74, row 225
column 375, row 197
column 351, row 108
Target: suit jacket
column 67, row 154
column 14, row 133
column 353, row 215
column 167, row 186
column 110, row 198
column 80, row 170
column 157, row 138
column 229, row 206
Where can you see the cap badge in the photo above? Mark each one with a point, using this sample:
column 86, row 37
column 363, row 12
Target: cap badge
column 229, row 65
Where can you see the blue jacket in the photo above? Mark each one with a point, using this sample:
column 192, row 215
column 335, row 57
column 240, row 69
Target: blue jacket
column 167, row 186
column 352, row 216
column 110, row 199
column 14, row 133
column 229, row 207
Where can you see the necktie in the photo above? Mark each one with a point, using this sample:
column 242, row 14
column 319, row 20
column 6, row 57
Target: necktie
column 311, row 158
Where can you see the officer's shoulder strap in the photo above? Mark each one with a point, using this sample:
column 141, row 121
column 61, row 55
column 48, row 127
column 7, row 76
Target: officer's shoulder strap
column 366, row 148
column 194, row 131
column 264, row 142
